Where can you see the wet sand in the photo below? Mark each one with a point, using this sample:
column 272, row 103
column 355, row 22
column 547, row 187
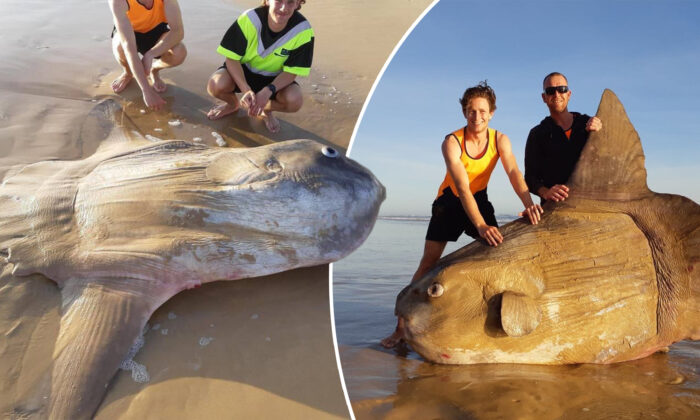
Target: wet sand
column 256, row 347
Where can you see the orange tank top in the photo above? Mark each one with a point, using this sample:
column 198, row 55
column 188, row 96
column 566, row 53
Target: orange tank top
column 479, row 168
column 142, row 19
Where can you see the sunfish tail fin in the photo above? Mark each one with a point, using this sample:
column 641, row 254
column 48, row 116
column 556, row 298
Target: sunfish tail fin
column 611, row 166
column 691, row 246
column 98, row 326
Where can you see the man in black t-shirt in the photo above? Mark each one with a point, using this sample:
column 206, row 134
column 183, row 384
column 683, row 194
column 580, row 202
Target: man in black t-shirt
column 554, row 146
column 266, row 48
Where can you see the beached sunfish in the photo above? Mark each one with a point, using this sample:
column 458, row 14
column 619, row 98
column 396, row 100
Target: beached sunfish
column 611, row 274
column 127, row 228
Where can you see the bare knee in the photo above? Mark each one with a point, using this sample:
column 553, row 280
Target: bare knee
column 295, row 103
column 178, row 55
column 218, row 84
column 291, row 98
column 212, row 86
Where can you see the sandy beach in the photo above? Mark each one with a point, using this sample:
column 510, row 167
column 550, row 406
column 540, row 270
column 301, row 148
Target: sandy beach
column 260, row 347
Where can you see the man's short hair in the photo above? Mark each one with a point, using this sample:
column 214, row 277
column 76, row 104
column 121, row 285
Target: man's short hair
column 265, row 3
column 482, row 90
column 554, row 73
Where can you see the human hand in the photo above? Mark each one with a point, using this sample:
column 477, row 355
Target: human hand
column 558, row 192
column 491, row 234
column 152, row 99
column 261, row 99
column 594, row 124
column 533, row 213
column 248, row 99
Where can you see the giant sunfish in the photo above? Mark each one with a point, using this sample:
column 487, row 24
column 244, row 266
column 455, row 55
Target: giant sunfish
column 124, row 230
column 608, row 275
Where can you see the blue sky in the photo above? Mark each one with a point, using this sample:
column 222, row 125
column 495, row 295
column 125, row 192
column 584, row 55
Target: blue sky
column 647, row 52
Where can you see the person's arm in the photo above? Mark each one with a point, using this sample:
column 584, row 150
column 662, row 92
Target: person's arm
column 235, row 70
column 262, row 97
column 127, row 39
column 533, row 165
column 451, row 152
column 533, row 171
column 510, row 165
column 298, row 64
column 233, row 46
column 171, row 38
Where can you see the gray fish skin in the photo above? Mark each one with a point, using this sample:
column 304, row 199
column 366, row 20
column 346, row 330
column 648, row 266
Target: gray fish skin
column 608, row 275
column 125, row 229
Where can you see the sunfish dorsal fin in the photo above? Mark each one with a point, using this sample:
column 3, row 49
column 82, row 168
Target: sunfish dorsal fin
column 611, row 166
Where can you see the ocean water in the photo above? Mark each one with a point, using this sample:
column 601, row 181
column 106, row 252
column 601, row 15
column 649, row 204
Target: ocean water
column 398, row 384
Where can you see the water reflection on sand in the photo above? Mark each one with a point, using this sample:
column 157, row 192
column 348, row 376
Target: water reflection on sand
column 662, row 386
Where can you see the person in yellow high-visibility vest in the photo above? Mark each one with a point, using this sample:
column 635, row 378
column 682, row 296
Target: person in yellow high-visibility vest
column 462, row 205
column 266, row 48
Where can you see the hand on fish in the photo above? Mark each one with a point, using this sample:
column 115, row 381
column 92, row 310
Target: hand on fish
column 533, row 212
column 491, row 234
column 594, row 124
column 558, row 192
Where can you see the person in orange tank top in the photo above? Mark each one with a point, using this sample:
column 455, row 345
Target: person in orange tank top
column 462, row 205
column 154, row 29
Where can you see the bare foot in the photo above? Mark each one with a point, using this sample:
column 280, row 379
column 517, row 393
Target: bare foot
column 396, row 337
column 391, row 341
column 272, row 123
column 158, row 83
column 121, row 82
column 220, row 111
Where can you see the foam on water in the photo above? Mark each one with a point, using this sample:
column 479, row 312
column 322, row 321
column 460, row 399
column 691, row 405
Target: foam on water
column 138, row 371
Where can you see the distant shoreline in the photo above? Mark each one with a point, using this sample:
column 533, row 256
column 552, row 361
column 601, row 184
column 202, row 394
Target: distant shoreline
column 501, row 218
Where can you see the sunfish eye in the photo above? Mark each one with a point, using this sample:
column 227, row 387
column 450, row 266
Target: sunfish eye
column 435, row 290
column 329, row 152
column 273, row 165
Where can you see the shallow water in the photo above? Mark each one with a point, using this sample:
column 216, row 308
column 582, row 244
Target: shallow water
column 399, row 384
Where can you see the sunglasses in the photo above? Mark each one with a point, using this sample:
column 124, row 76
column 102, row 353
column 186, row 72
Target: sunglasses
column 551, row 90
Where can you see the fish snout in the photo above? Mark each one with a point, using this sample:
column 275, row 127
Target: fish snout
column 414, row 293
column 399, row 299
column 382, row 190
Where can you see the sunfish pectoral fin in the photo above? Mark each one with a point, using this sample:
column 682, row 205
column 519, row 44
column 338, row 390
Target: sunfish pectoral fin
column 520, row 315
column 611, row 165
column 108, row 126
column 99, row 324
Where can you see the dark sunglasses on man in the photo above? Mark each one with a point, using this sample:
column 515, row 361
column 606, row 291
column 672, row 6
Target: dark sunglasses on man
column 553, row 89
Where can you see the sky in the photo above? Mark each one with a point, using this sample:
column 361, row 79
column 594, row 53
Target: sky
column 647, row 52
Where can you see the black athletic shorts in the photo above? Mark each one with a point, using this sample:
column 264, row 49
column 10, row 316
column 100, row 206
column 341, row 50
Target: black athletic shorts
column 257, row 82
column 145, row 41
column 449, row 219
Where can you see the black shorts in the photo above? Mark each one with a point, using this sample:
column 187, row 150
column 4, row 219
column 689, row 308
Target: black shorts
column 449, row 219
column 256, row 81
column 146, row 40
